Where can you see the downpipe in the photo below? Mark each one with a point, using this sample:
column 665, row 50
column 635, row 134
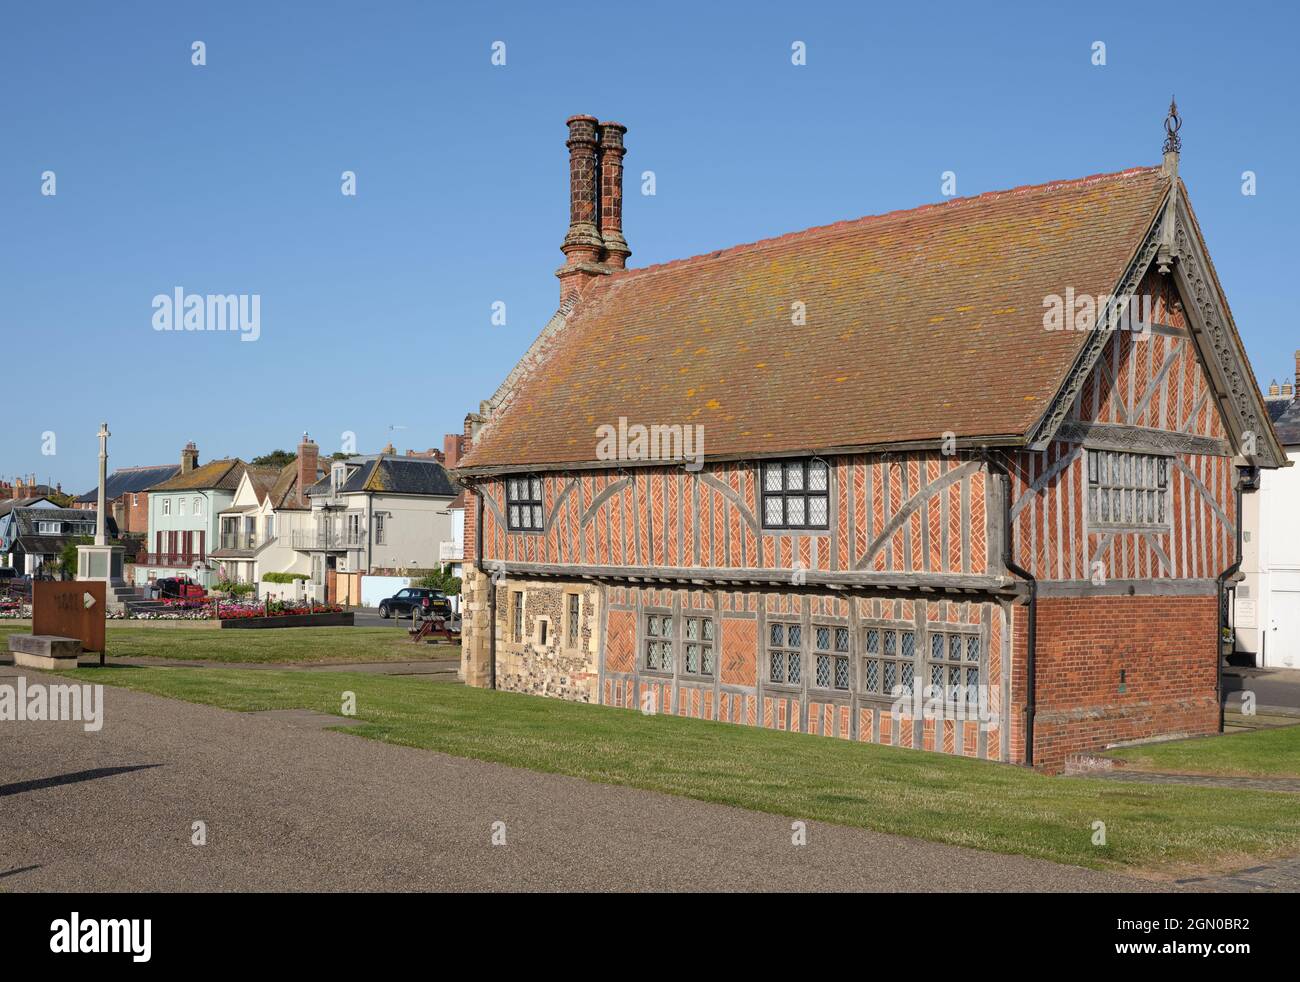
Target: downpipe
column 1031, row 635
column 1247, row 481
column 491, row 587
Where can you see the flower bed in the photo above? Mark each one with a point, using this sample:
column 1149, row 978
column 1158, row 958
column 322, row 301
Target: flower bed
column 15, row 610
column 171, row 610
column 237, row 610
column 290, row 615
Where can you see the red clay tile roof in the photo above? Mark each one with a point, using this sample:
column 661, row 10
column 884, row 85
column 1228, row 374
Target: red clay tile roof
column 918, row 322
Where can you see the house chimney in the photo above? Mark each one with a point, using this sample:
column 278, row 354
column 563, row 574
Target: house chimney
column 582, row 245
column 189, row 457
column 1273, row 389
column 1286, row 389
column 451, row 448
column 1297, row 371
column 308, row 459
column 611, row 194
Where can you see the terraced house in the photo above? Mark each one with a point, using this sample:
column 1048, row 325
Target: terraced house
column 183, row 512
column 969, row 480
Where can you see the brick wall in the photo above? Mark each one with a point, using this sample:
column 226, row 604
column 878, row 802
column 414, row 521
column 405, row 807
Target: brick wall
column 1164, row 646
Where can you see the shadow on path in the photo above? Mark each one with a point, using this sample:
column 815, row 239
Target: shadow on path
column 19, row 787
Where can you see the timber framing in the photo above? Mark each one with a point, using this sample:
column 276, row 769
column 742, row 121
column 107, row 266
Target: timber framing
column 896, row 585
column 1140, row 439
column 1175, row 239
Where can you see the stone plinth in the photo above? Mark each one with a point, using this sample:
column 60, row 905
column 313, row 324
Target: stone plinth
column 44, row 651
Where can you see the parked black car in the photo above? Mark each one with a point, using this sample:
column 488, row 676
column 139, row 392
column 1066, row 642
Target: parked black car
column 8, row 573
column 430, row 602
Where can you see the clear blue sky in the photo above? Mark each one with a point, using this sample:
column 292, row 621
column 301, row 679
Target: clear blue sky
column 376, row 309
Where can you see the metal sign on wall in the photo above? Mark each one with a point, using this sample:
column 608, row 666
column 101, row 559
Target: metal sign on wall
column 70, row 609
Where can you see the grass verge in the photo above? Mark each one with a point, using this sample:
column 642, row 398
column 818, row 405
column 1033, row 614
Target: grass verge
column 1149, row 829
column 288, row 645
column 1259, row 753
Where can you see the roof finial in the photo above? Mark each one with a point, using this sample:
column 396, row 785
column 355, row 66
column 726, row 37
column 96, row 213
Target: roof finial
column 1173, row 123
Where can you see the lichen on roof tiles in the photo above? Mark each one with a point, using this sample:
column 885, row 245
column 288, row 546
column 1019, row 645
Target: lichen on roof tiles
column 904, row 311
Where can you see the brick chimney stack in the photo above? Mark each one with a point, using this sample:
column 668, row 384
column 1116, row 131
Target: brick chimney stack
column 583, row 246
column 1274, row 389
column 611, row 194
column 453, row 445
column 189, row 457
column 1297, row 371
column 308, row 460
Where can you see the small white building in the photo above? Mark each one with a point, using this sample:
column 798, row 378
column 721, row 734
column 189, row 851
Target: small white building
column 1266, row 603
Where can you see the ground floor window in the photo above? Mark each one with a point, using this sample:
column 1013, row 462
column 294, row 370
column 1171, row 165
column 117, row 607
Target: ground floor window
column 784, row 653
column 573, row 605
column 659, row 642
column 954, row 660
column 517, row 616
column 831, row 655
column 889, row 659
column 698, row 646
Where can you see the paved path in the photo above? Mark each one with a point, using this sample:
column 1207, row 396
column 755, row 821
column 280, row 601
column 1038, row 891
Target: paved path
column 1274, row 688
column 1280, row 877
column 444, row 669
column 291, row 806
column 1287, row 784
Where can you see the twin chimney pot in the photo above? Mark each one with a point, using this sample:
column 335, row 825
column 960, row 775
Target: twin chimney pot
column 594, row 244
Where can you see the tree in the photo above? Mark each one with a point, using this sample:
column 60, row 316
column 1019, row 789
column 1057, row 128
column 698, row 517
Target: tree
column 441, row 580
column 67, row 562
column 276, row 458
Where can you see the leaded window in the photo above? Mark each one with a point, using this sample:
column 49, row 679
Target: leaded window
column 575, row 606
column 796, row 494
column 954, row 663
column 888, row 660
column 524, row 503
column 697, row 646
column 517, row 616
column 830, row 656
column 1127, row 489
column 659, row 642
column 784, row 653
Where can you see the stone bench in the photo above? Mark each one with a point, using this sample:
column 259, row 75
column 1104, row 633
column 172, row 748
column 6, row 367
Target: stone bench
column 44, row 651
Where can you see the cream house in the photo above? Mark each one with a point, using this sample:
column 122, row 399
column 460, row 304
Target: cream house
column 257, row 530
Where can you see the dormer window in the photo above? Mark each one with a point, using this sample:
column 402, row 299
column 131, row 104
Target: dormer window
column 338, row 476
column 796, row 494
column 524, row 503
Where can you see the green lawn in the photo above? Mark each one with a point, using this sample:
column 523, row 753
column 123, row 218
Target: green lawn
column 296, row 645
column 1149, row 828
column 1259, row 753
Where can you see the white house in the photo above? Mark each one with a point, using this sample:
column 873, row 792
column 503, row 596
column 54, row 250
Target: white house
column 1266, row 604
column 381, row 514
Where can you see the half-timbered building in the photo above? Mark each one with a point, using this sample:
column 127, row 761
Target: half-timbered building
column 963, row 478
